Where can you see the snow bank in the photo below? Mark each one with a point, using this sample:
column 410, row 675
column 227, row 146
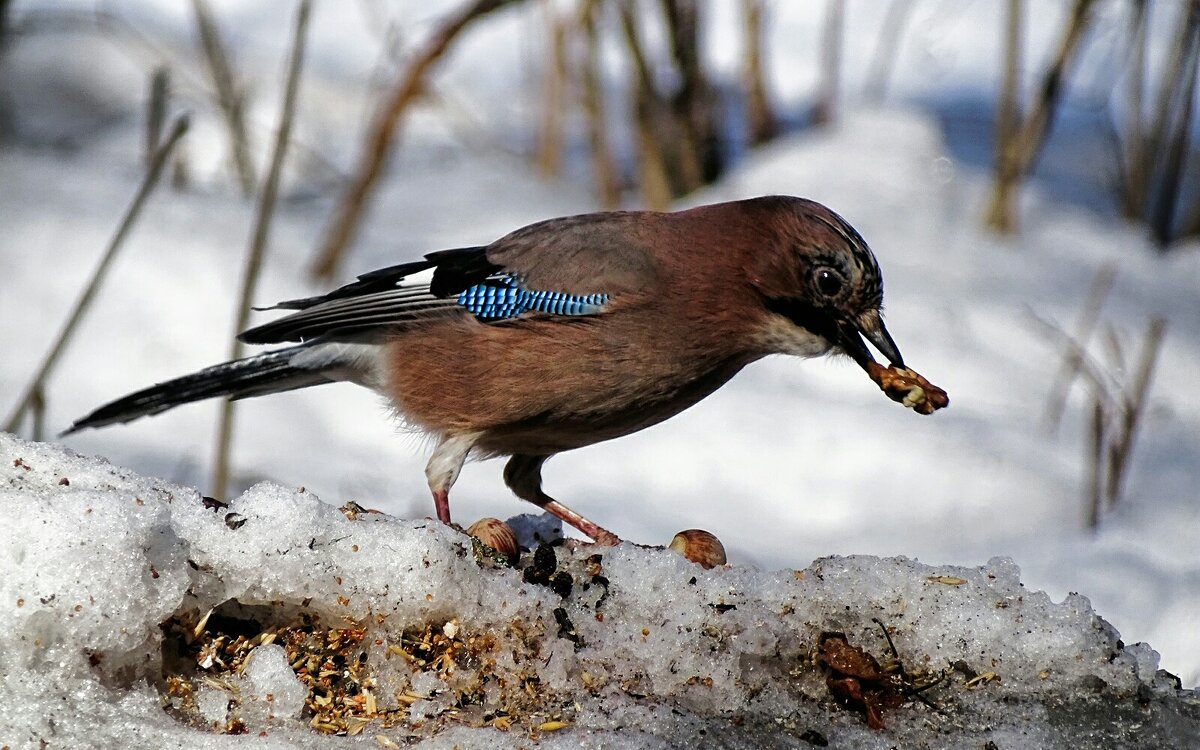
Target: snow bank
column 134, row 613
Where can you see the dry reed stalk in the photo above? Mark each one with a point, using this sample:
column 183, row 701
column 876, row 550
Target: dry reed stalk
column 258, row 243
column 377, row 146
column 230, row 97
column 34, row 392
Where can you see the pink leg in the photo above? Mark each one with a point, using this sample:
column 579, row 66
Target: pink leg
column 599, row 534
column 443, row 468
column 523, row 475
column 441, row 502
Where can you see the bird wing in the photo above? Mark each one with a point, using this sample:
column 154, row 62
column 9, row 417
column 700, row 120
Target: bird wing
column 571, row 267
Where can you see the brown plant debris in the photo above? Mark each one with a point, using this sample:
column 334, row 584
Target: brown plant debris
column 351, row 686
column 856, row 680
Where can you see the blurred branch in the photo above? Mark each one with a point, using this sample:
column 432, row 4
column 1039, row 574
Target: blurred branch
column 1190, row 227
column 651, row 120
column 5, row 5
column 761, row 123
column 677, row 130
column 1134, row 407
column 1032, row 135
column 1179, row 123
column 1094, row 465
column 1101, row 285
column 262, row 227
column 1116, row 407
column 831, row 61
column 156, row 109
column 1168, row 89
column 604, row 167
column 33, row 393
column 1135, row 151
column 1000, row 214
column 884, row 61
column 553, row 103
column 554, row 95
column 1093, row 373
column 229, row 96
column 1028, row 141
column 378, row 143
column 698, row 154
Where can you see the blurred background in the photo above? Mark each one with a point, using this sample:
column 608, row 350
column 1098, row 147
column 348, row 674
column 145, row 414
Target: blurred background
column 1025, row 172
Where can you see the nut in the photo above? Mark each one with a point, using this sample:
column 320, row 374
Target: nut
column 498, row 535
column 907, row 387
column 700, row 547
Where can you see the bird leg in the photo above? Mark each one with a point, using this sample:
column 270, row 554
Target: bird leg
column 443, row 468
column 441, row 505
column 523, row 475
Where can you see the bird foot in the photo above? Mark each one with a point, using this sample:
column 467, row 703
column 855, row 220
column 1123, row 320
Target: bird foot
column 598, row 534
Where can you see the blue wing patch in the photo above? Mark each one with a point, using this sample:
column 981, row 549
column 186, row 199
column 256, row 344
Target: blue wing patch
column 503, row 297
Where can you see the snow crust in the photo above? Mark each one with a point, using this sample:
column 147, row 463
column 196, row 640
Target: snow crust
column 99, row 559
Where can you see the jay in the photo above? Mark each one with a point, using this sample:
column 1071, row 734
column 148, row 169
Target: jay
column 570, row 331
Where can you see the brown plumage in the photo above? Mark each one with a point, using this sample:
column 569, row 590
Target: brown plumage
column 567, row 332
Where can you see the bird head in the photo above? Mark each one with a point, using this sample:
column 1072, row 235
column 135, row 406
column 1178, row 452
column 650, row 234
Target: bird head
column 820, row 284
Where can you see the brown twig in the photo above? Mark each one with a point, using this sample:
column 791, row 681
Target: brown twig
column 258, row 242
column 4, row 7
column 1032, row 135
column 1094, row 465
column 37, row 385
column 1028, row 141
column 831, row 61
column 1168, row 87
column 1098, row 293
column 378, row 143
column 604, row 168
column 1134, row 404
column 1116, row 410
column 1000, row 214
column 1135, row 154
column 653, row 125
column 229, row 96
column 1162, row 212
column 554, row 94
column 1088, row 368
column 156, row 109
column 891, row 34
column 698, row 157
column 761, row 123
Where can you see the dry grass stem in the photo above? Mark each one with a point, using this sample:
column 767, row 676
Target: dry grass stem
column 1098, row 293
column 230, row 97
column 1027, row 142
column 604, row 167
column 36, row 388
column 258, row 242
column 377, row 146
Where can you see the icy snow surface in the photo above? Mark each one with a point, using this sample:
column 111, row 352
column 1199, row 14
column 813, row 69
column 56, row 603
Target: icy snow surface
column 661, row 653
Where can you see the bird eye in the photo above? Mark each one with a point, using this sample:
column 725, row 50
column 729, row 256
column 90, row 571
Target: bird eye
column 829, row 281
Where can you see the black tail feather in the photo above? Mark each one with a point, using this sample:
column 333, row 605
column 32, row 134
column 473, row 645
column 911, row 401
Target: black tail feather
column 271, row 372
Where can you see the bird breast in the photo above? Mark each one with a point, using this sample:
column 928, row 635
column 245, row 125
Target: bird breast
column 543, row 386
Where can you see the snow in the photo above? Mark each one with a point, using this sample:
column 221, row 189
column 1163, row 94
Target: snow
column 102, row 563
column 789, row 462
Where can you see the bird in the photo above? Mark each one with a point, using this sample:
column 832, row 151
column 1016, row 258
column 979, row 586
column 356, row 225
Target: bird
column 566, row 332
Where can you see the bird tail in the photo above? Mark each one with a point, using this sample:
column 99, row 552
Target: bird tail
column 270, row 372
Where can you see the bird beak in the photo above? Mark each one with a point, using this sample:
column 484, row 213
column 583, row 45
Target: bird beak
column 850, row 339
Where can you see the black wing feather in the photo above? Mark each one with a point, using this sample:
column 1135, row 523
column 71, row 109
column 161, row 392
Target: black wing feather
column 376, row 300
column 459, row 269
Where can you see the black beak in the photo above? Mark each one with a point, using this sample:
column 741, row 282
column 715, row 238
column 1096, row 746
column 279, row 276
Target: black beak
column 850, row 339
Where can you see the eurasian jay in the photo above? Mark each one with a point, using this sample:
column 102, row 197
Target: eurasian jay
column 566, row 332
